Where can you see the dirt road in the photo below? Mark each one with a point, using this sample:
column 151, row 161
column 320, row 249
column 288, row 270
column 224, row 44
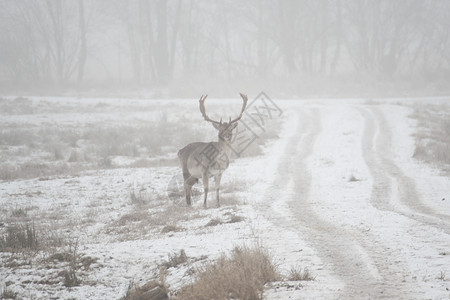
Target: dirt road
column 347, row 198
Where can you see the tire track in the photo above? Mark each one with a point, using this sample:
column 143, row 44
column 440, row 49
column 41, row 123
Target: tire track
column 389, row 178
column 345, row 252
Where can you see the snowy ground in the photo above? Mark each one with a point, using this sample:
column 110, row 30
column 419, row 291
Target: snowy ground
column 337, row 192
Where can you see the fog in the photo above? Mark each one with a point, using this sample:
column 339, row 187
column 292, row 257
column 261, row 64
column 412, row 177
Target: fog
column 188, row 47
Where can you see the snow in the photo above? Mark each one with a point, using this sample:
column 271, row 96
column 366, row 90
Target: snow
column 338, row 193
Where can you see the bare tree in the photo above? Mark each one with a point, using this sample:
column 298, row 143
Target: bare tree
column 151, row 43
column 83, row 42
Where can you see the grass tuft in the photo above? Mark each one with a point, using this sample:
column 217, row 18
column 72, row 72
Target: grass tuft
column 7, row 294
column 175, row 259
column 235, row 219
column 242, row 275
column 171, row 228
column 213, row 222
column 70, row 278
column 151, row 290
column 297, row 274
column 19, row 238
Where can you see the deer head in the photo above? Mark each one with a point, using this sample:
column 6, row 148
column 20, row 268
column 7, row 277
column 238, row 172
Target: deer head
column 225, row 128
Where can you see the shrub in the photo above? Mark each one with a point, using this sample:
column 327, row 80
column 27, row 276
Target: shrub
column 242, row 275
column 70, row 278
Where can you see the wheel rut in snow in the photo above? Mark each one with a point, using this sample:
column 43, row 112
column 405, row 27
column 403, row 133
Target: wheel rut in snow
column 389, row 180
column 349, row 255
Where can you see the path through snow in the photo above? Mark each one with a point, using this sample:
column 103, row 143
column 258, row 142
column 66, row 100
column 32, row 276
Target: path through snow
column 338, row 189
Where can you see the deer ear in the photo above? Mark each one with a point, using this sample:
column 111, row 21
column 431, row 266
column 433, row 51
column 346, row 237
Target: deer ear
column 233, row 125
column 216, row 126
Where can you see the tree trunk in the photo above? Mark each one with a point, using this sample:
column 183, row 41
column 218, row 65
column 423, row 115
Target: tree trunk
column 83, row 44
column 161, row 51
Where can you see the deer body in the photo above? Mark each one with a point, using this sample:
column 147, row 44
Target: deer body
column 198, row 160
column 206, row 160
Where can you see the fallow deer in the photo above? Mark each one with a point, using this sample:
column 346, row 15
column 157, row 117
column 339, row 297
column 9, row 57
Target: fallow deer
column 206, row 160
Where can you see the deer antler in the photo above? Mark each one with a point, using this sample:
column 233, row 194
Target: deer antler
column 244, row 105
column 205, row 116
column 203, row 110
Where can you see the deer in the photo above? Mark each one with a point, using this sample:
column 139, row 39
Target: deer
column 206, row 160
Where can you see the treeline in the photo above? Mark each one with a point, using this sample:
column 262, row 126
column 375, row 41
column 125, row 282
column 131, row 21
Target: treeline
column 82, row 44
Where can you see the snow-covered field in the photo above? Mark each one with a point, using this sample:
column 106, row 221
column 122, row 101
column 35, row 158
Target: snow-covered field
column 335, row 189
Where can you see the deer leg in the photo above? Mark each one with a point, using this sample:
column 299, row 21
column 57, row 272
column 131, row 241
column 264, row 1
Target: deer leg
column 217, row 179
column 187, row 191
column 189, row 181
column 205, row 186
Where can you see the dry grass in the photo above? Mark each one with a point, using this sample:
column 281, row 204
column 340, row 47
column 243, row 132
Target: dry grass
column 74, row 261
column 143, row 220
column 297, row 274
column 235, row 219
column 229, row 218
column 242, row 275
column 19, row 213
column 70, row 277
column 34, row 169
column 171, row 228
column 61, row 149
column 213, row 222
column 5, row 293
column 175, row 259
column 132, row 217
column 433, row 135
column 140, row 198
column 31, row 151
column 151, row 290
column 20, row 237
